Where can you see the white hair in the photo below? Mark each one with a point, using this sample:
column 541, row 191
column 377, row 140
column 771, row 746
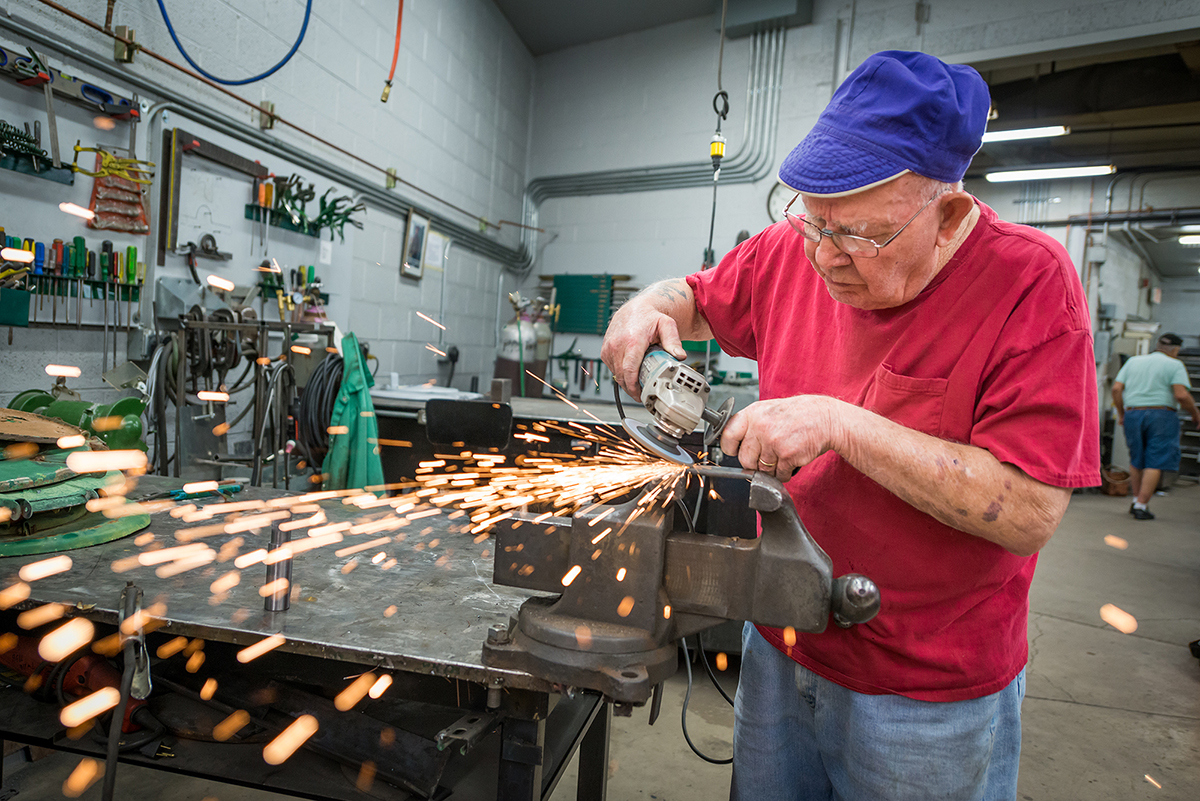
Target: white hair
column 931, row 187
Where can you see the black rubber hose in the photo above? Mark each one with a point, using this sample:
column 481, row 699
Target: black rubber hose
column 154, row 728
column 316, row 409
column 687, row 663
column 712, row 676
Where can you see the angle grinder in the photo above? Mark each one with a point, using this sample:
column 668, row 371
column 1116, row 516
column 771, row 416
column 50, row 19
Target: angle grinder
column 677, row 396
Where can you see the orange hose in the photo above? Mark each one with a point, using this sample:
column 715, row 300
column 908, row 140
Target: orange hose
column 396, row 49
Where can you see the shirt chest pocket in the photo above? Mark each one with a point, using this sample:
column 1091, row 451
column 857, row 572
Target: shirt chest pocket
column 914, row 403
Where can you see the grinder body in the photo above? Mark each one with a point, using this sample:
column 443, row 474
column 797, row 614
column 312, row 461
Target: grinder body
column 677, row 397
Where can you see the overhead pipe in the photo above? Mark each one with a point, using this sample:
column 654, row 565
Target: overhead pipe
column 752, row 162
column 749, row 164
column 377, row 196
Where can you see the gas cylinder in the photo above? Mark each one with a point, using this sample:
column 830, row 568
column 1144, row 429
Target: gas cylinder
column 519, row 341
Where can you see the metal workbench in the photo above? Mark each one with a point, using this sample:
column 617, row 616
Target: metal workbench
column 337, row 626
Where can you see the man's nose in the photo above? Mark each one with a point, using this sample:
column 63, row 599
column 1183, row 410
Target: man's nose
column 829, row 255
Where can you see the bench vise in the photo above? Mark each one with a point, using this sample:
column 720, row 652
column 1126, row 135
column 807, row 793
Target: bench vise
column 627, row 587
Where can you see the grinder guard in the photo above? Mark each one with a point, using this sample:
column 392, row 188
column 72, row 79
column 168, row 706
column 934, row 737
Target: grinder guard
column 581, row 638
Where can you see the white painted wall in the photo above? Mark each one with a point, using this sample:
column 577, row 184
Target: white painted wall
column 457, row 125
column 643, row 99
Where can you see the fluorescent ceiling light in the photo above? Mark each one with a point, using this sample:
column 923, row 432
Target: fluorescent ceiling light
column 1190, row 239
column 1025, row 133
column 1050, row 173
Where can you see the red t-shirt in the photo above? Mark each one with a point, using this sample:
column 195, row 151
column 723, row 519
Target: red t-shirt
column 996, row 352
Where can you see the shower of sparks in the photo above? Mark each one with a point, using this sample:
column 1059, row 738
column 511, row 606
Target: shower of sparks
column 71, row 441
column 381, row 684
column 472, row 492
column 722, row 661
column 276, row 587
column 354, row 693
column 101, row 461
column 46, row 567
column 66, row 639
column 218, row 282
column 17, row 255
column 77, row 210
column 1156, row 784
column 40, row 616
column 259, row 648
column 366, row 776
column 231, row 725
column 431, row 320
column 90, row 706
column 65, row 371
column 301, row 349
column 289, row 740
column 217, row 397
column 169, row 649
column 1114, row 541
column 1118, row 618
column 84, row 776
column 209, row 689
column 435, row 350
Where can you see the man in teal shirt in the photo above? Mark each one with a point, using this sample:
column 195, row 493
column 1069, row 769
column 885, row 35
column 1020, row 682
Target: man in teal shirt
column 1145, row 395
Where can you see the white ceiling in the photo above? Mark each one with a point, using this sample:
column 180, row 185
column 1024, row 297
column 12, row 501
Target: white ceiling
column 549, row 25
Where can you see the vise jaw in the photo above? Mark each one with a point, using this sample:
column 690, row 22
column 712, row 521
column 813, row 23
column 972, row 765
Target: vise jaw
column 627, row 587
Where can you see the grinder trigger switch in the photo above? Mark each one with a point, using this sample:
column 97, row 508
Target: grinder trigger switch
column 676, row 396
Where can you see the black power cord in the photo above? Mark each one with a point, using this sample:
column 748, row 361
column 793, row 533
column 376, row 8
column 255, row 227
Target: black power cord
column 687, row 663
column 712, row 676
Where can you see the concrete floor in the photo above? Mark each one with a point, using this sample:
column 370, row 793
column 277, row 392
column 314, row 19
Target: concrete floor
column 1103, row 710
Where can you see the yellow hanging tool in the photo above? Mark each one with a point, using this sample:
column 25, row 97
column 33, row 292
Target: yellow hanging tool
column 110, row 165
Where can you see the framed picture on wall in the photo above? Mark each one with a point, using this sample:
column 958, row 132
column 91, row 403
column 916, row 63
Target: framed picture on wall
column 413, row 256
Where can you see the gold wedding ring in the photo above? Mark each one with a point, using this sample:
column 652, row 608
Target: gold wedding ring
column 767, row 465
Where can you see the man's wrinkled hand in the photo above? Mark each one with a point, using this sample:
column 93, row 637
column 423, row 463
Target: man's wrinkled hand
column 634, row 328
column 779, row 436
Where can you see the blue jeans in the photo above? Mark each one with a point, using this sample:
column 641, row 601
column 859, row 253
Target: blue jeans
column 799, row 737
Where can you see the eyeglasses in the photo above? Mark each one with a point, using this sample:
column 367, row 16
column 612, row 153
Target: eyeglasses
column 849, row 244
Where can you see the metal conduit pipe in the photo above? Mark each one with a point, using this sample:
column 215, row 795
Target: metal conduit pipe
column 517, row 259
column 751, row 163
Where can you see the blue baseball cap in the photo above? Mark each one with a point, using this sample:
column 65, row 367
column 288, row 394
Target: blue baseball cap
column 898, row 112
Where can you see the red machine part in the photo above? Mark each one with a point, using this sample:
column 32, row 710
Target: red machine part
column 86, row 674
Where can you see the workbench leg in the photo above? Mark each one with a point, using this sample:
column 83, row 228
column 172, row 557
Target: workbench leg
column 521, row 760
column 593, row 757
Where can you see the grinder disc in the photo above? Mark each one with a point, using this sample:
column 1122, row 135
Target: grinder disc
column 656, row 443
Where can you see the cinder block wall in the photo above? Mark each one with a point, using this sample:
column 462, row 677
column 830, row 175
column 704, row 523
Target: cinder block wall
column 644, row 99
column 457, row 125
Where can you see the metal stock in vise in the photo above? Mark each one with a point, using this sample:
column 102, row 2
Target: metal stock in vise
column 629, row 587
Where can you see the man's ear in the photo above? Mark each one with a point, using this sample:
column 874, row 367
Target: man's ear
column 953, row 208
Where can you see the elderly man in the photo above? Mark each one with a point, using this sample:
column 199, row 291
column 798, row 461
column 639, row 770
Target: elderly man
column 929, row 369
column 1145, row 393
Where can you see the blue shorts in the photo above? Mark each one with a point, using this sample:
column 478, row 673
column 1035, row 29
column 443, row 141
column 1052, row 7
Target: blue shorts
column 799, row 737
column 1153, row 438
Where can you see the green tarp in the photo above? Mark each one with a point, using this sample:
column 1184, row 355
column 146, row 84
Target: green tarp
column 353, row 458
